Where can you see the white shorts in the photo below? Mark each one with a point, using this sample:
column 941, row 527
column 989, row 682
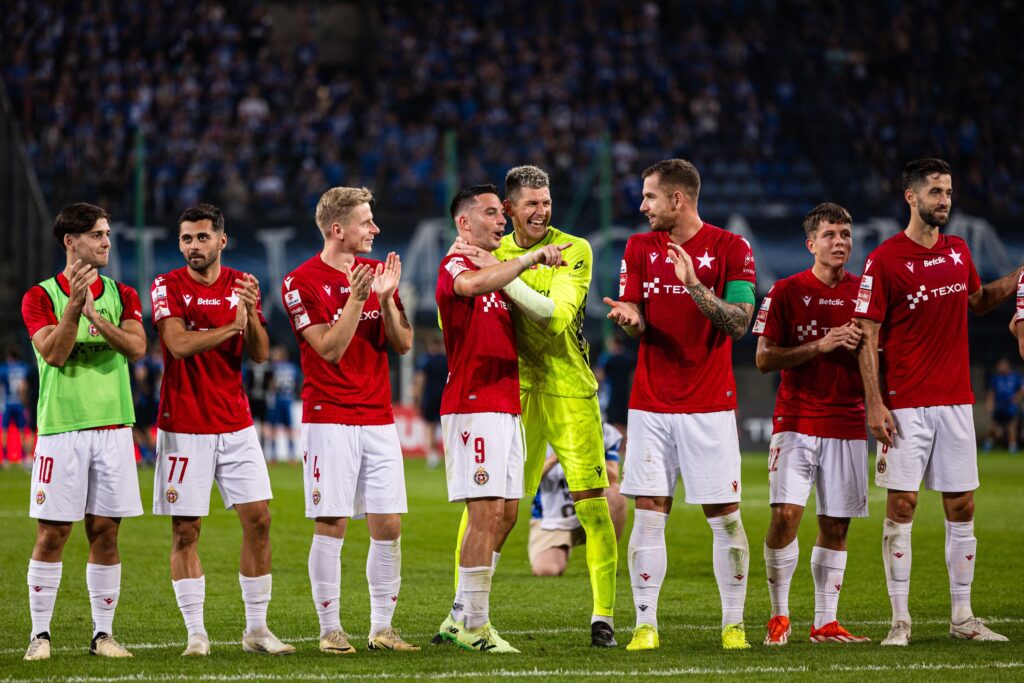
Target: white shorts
column 85, row 472
column 188, row 464
column 935, row 445
column 483, row 455
column 351, row 470
column 836, row 468
column 702, row 447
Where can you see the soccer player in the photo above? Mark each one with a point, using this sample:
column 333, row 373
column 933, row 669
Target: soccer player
column 557, row 387
column 819, row 439
column 480, row 408
column 85, row 329
column 554, row 528
column 346, row 313
column 912, row 304
column 208, row 315
column 284, row 379
column 687, row 291
column 1002, row 403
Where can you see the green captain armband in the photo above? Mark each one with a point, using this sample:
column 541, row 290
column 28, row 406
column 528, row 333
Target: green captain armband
column 739, row 292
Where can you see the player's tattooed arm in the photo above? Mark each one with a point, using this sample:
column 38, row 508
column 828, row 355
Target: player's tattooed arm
column 733, row 319
column 990, row 296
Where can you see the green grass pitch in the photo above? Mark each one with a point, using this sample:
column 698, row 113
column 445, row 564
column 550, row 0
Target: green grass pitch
column 548, row 619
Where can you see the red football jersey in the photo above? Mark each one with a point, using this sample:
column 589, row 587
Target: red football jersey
column 202, row 394
column 824, row 396
column 480, row 340
column 919, row 296
column 357, row 389
column 37, row 309
column 684, row 363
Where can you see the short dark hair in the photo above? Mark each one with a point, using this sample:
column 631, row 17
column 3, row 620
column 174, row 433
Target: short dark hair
column 466, row 194
column 203, row 212
column 75, row 220
column 917, row 171
column 678, row 173
column 826, row 212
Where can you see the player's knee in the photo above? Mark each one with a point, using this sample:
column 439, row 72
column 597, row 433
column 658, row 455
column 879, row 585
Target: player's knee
column 184, row 532
column 901, row 509
column 547, row 569
column 833, row 530
column 960, row 508
column 257, row 522
column 50, row 538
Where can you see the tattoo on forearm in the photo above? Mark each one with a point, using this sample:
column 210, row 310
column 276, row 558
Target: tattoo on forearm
column 730, row 319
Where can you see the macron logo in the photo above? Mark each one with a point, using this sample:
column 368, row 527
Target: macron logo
column 188, row 299
column 288, row 281
column 653, row 257
column 910, row 266
column 807, row 301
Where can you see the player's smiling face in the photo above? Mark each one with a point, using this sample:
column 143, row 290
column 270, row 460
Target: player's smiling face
column 358, row 230
column 485, row 223
column 200, row 244
column 93, row 246
column 831, row 244
column 659, row 205
column 933, row 199
column 531, row 214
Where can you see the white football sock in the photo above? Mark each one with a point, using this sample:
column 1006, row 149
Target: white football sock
column 191, row 593
column 896, row 560
column 827, row 568
column 476, row 590
column 256, row 596
column 43, row 582
column 731, row 560
column 104, row 583
column 648, row 562
column 961, row 552
column 780, row 565
column 325, row 580
column 384, row 576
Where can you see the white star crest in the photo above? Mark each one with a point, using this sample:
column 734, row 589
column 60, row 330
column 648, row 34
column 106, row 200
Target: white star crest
column 955, row 255
column 233, row 299
column 705, row 260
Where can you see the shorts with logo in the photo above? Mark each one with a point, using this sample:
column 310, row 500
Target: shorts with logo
column 703, row 448
column 541, row 539
column 934, row 445
column 85, row 472
column 836, row 468
column 352, row 470
column 187, row 465
column 483, row 455
column 572, row 426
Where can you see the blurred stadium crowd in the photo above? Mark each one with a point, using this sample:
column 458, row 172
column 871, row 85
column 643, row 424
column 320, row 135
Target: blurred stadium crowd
column 781, row 104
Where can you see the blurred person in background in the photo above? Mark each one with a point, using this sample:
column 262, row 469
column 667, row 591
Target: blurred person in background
column 428, row 385
column 1002, row 402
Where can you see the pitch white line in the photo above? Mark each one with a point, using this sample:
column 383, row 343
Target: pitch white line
column 530, row 673
column 423, row 635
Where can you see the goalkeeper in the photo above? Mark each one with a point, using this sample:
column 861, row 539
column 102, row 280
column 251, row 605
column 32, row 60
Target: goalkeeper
column 558, row 388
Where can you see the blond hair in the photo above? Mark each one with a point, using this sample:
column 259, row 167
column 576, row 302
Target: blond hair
column 335, row 205
column 524, row 176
